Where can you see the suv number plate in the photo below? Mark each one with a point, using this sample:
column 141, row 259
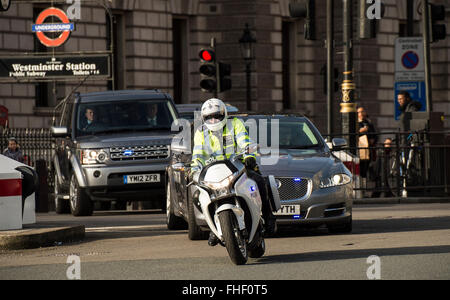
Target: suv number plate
column 141, row 178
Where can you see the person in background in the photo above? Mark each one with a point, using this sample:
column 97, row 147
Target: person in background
column 383, row 170
column 406, row 105
column 368, row 140
column 13, row 151
column 152, row 114
column 91, row 122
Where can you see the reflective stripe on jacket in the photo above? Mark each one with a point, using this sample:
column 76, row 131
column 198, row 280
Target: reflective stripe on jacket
column 208, row 147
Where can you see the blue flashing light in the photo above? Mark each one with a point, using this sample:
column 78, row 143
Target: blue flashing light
column 297, row 217
column 252, row 188
column 297, row 180
column 128, row 152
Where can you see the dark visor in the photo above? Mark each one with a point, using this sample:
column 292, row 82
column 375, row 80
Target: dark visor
column 215, row 116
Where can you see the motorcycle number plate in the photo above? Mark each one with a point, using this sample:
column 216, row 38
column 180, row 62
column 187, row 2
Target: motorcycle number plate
column 141, row 178
column 288, row 210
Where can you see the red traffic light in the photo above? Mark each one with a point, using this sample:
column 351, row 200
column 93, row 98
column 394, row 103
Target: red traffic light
column 207, row 55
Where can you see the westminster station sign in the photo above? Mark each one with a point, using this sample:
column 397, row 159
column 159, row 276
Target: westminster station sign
column 51, row 68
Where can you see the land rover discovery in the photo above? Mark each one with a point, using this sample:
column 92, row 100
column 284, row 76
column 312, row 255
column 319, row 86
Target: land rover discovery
column 112, row 146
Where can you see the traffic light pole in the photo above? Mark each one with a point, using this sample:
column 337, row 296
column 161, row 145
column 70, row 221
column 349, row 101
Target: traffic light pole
column 348, row 105
column 426, row 53
column 213, row 46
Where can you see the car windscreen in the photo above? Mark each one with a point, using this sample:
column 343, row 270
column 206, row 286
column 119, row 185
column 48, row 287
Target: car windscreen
column 122, row 116
column 292, row 134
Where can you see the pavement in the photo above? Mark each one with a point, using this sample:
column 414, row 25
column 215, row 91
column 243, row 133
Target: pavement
column 47, row 235
column 38, row 235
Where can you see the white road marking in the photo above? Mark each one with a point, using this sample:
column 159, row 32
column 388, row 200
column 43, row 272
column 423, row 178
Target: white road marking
column 119, row 228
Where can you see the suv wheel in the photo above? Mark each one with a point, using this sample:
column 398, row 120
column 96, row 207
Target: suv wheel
column 173, row 222
column 80, row 204
column 61, row 206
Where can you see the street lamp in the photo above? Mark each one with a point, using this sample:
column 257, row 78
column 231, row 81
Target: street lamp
column 246, row 43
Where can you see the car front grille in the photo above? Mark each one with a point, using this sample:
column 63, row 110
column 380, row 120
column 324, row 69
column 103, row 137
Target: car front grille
column 139, row 152
column 293, row 188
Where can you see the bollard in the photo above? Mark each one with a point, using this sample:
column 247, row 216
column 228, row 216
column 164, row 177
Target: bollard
column 42, row 193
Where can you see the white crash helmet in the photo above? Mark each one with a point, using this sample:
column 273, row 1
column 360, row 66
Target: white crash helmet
column 214, row 114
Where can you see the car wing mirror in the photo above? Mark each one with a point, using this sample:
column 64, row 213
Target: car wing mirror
column 339, row 143
column 59, row 131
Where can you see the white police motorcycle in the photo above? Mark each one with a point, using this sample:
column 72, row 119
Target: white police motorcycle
column 231, row 204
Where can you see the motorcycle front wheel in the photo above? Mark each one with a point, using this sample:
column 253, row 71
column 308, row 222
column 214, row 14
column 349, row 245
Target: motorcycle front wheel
column 233, row 238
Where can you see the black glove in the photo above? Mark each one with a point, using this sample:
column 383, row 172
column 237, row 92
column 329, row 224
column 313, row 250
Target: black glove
column 250, row 163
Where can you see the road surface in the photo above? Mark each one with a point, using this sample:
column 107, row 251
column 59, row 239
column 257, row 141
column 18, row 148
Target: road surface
column 407, row 241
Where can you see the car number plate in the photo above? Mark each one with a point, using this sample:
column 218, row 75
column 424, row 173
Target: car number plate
column 288, row 210
column 141, row 178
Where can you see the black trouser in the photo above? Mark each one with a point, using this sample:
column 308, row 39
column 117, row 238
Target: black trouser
column 262, row 186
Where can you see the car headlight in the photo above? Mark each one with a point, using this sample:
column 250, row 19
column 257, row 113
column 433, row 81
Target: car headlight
column 220, row 188
column 90, row 157
column 336, row 180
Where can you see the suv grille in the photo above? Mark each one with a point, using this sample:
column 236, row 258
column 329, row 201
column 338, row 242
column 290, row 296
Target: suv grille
column 139, row 152
column 293, row 188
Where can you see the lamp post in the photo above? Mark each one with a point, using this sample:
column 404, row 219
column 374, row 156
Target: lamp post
column 348, row 105
column 246, row 43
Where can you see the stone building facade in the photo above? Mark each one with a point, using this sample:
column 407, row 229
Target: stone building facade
column 157, row 43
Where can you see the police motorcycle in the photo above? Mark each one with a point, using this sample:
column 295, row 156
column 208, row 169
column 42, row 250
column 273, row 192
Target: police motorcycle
column 231, row 205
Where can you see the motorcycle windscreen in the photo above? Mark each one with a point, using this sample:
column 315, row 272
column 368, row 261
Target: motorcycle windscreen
column 217, row 173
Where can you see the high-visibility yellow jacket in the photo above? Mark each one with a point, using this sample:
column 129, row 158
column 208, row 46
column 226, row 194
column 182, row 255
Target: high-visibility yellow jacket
column 208, row 147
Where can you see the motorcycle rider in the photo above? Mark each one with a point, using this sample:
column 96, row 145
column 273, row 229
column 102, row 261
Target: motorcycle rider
column 218, row 139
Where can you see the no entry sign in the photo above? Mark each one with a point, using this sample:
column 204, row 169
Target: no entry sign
column 65, row 27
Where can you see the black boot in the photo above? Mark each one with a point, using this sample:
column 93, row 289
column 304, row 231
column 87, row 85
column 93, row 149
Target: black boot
column 270, row 225
column 213, row 240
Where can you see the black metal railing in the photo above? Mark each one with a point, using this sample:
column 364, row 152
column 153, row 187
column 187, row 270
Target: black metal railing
column 413, row 164
column 36, row 145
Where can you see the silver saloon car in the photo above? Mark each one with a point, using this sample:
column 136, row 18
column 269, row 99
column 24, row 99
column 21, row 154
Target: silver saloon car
column 315, row 187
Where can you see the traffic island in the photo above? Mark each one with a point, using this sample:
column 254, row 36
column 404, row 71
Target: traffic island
column 40, row 237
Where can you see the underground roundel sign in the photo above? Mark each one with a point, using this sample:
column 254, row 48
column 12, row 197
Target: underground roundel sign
column 63, row 26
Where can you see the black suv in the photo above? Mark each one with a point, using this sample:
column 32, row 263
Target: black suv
column 112, row 146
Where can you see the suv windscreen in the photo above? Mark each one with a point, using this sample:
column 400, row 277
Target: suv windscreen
column 118, row 116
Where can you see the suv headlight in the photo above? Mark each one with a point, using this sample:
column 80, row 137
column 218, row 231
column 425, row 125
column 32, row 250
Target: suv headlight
column 90, row 157
column 336, row 180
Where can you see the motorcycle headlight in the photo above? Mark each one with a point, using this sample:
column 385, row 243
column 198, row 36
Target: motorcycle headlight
column 336, row 180
column 220, row 188
column 90, row 157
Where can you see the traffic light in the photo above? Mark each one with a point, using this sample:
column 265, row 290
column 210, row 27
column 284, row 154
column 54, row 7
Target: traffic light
column 437, row 31
column 224, row 77
column 305, row 9
column 369, row 14
column 208, row 70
